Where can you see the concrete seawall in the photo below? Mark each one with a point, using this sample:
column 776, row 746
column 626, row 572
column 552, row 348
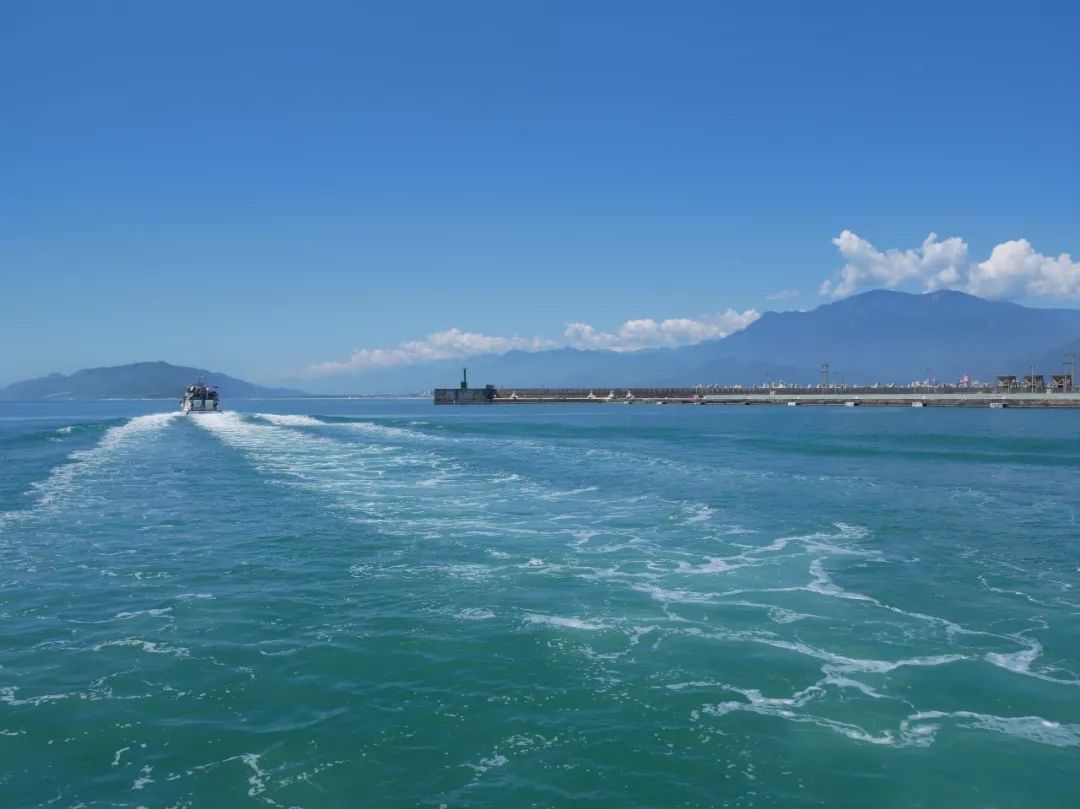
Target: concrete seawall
column 464, row 396
column 862, row 397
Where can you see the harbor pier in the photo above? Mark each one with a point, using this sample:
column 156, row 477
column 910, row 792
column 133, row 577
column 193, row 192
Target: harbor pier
column 791, row 397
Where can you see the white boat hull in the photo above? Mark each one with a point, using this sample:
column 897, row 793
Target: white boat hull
column 200, row 398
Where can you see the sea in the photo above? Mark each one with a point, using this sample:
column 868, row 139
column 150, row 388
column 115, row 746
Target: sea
column 381, row 603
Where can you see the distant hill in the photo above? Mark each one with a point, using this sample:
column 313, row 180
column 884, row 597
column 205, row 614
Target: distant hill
column 140, row 380
column 878, row 336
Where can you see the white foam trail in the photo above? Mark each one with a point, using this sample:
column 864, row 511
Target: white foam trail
column 822, row 541
column 475, row 614
column 7, row 696
column 779, row 615
column 283, row 420
column 155, row 613
column 788, row 708
column 485, row 764
column 675, row 596
column 840, row 681
column 257, row 780
column 701, row 513
column 62, row 478
column 692, row 684
column 383, row 430
column 1032, row 728
column 784, row 616
column 267, row 440
column 567, row 623
column 1019, row 594
column 149, row 646
column 144, row 777
column 569, row 493
column 140, row 424
column 377, row 483
column 841, row 663
column 1020, row 662
column 780, row 709
column 374, row 483
column 714, row 565
column 823, row 584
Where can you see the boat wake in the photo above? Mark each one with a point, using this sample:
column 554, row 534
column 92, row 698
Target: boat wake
column 613, row 549
column 80, row 465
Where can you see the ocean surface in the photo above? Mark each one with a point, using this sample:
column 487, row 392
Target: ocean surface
column 332, row 603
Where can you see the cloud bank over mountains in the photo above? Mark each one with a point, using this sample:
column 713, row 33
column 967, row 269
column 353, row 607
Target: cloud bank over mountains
column 1013, row 270
column 630, row 336
column 440, row 345
column 648, row 333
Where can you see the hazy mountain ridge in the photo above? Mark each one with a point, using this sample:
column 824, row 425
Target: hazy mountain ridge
column 140, row 380
column 878, row 336
column 886, row 336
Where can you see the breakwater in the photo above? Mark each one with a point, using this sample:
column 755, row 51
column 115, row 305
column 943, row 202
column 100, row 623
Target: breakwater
column 792, row 397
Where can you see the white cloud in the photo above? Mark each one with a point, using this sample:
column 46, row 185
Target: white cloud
column 440, row 345
column 648, row 333
column 631, row 335
column 783, row 295
column 1014, row 269
column 935, row 264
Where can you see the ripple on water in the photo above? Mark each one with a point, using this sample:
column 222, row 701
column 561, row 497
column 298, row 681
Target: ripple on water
column 476, row 603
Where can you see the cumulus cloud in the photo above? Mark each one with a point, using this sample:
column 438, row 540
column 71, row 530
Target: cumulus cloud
column 631, row 335
column 648, row 333
column 441, row 345
column 936, row 264
column 1014, row 269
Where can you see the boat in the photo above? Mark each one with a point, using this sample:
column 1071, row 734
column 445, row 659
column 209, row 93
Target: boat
column 200, row 398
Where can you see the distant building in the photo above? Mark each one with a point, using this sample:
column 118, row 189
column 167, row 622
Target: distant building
column 1061, row 383
column 1035, row 383
column 1006, row 383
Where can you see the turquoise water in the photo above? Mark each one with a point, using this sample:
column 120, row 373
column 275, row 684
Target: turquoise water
column 338, row 604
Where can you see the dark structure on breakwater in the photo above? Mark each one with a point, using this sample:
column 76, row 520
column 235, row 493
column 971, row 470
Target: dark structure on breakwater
column 465, row 395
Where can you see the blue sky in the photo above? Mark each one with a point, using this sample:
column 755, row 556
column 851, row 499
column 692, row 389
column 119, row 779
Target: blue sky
column 270, row 188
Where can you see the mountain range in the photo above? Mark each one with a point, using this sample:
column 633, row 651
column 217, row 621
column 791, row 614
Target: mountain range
column 140, row 380
column 878, row 336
